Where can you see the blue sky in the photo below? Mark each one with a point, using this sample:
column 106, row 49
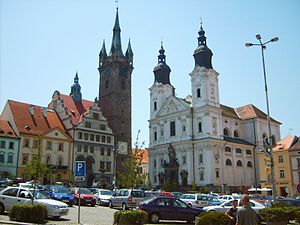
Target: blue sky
column 43, row 43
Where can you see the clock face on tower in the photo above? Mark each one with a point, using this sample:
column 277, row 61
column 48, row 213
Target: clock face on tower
column 123, row 71
column 122, row 146
column 106, row 71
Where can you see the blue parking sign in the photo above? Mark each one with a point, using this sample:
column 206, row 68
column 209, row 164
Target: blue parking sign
column 80, row 169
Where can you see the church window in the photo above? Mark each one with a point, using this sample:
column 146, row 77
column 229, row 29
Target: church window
column 239, row 163
column 184, row 159
column 201, row 176
column 238, row 151
column 183, row 128
column 155, row 105
column 227, row 149
column 236, row 134
column 228, row 162
column 155, row 178
column 60, row 146
column 200, row 158
column 106, row 84
column 172, row 129
column 199, row 127
column 198, row 93
column 49, row 145
column 226, row 132
column 248, row 152
column 249, row 164
column 79, row 135
column 155, row 136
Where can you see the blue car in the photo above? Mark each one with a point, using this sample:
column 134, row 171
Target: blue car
column 60, row 193
column 168, row 208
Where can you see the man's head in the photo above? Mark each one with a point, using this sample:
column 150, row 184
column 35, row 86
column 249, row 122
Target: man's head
column 235, row 202
column 245, row 199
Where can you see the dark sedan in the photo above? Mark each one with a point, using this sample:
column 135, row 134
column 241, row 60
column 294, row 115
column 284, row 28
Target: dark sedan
column 168, row 208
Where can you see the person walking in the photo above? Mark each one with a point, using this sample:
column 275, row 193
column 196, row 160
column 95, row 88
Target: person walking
column 246, row 215
column 231, row 213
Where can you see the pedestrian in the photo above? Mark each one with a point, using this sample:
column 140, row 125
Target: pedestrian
column 246, row 215
column 231, row 213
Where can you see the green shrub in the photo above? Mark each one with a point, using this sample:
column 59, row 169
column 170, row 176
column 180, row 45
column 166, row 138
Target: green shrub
column 280, row 212
column 35, row 213
column 130, row 217
column 212, row 218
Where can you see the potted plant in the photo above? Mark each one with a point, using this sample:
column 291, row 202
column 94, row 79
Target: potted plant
column 279, row 214
column 212, row 218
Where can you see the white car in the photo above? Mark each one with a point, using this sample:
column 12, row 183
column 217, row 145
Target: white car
column 225, row 198
column 227, row 205
column 195, row 200
column 11, row 196
column 103, row 196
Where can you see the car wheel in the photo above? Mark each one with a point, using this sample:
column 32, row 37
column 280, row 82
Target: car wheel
column 99, row 202
column 154, row 218
column 190, row 205
column 110, row 205
column 124, row 207
column 2, row 209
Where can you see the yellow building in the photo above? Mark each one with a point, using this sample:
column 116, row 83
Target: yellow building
column 282, row 168
column 43, row 137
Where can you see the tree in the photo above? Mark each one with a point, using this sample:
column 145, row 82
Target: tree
column 132, row 175
column 36, row 170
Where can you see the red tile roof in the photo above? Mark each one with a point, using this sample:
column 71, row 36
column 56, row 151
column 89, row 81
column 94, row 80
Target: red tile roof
column 296, row 145
column 250, row 111
column 6, row 130
column 36, row 123
column 285, row 143
column 76, row 109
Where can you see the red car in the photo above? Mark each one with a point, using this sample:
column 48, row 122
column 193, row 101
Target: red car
column 86, row 197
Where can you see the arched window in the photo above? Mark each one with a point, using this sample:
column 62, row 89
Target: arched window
column 236, row 134
column 227, row 149
column 239, row 163
column 249, row 164
column 228, row 162
column 199, row 127
column 226, row 132
column 155, row 136
column 238, row 151
column 154, row 163
column 155, row 105
column 184, row 159
column 248, row 152
column 200, row 158
column 60, row 160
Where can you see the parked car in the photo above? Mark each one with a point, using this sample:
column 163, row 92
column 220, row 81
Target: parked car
column 195, row 200
column 86, row 196
column 60, row 193
column 227, row 205
column 225, row 198
column 103, row 196
column 11, row 196
column 168, row 208
column 18, row 180
column 126, row 198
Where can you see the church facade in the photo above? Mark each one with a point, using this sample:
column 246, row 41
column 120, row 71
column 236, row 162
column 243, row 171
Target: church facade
column 213, row 145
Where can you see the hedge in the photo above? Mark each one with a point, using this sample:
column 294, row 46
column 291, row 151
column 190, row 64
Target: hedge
column 212, row 218
column 34, row 213
column 130, row 217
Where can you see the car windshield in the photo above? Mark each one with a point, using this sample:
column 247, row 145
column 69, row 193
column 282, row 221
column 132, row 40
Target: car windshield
column 37, row 194
column 61, row 190
column 84, row 191
column 106, row 192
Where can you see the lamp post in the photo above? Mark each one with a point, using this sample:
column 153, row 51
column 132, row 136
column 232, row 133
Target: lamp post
column 269, row 140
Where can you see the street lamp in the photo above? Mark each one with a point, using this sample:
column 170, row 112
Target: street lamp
column 269, row 141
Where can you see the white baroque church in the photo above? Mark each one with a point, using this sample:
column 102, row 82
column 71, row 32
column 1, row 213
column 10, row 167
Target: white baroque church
column 211, row 144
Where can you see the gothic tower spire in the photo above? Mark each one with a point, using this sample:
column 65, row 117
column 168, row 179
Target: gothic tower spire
column 116, row 47
column 76, row 89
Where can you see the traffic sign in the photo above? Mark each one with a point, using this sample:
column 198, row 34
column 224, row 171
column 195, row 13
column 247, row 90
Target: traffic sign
column 298, row 188
column 80, row 169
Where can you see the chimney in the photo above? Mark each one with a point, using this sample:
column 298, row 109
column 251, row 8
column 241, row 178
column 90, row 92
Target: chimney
column 31, row 110
column 44, row 111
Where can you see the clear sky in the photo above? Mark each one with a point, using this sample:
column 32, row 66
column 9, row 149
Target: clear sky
column 43, row 43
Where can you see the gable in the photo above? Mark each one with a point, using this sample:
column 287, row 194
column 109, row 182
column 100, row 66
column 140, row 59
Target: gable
column 57, row 133
column 173, row 105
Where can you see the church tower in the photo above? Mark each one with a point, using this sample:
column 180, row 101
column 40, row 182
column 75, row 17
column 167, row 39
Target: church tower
column 76, row 89
column 115, row 71
column 205, row 91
